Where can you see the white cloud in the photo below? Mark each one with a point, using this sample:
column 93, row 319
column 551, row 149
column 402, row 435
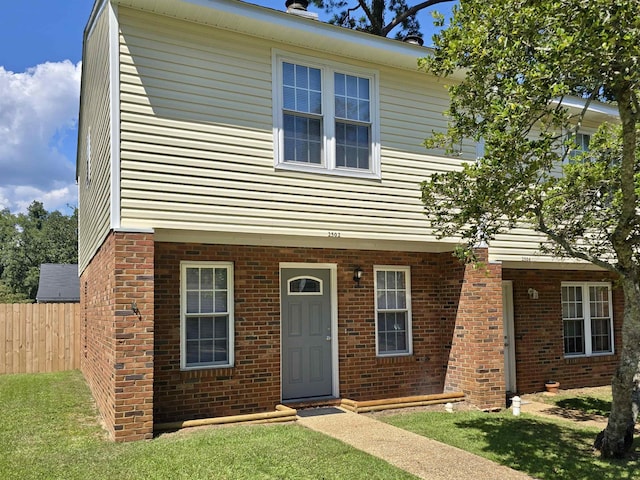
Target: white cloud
column 38, row 125
column 18, row 199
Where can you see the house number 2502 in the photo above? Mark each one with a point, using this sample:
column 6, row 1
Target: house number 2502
column 334, row 235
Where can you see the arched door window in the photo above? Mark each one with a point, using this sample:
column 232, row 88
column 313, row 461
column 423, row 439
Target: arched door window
column 304, row 286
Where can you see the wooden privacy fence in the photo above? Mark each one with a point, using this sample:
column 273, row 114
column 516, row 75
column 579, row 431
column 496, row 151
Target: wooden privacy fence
column 39, row 337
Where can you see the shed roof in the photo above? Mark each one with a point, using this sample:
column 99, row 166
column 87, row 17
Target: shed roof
column 58, row 283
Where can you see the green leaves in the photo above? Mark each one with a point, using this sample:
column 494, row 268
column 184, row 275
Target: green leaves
column 527, row 68
column 27, row 241
column 379, row 17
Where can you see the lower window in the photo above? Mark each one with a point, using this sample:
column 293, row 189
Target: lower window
column 587, row 319
column 206, row 324
column 393, row 310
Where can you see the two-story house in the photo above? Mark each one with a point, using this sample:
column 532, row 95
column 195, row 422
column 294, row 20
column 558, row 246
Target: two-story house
column 251, row 229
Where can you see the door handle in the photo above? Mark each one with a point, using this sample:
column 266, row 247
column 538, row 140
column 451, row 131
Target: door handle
column 328, row 338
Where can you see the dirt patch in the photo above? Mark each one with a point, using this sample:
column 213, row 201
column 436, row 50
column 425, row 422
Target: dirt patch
column 440, row 407
column 597, row 392
column 191, row 430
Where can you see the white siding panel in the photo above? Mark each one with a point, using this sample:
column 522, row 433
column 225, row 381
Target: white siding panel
column 94, row 198
column 518, row 245
column 225, row 196
column 197, row 142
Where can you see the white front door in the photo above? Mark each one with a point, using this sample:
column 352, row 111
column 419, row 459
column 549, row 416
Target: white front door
column 509, row 337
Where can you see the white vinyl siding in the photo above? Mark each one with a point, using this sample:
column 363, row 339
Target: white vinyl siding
column 519, row 245
column 587, row 318
column 393, row 310
column 197, row 143
column 94, row 161
column 206, row 319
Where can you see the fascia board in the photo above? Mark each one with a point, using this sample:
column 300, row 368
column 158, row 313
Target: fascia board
column 285, row 28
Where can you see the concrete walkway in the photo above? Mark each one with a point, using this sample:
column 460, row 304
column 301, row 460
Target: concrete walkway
column 423, row 457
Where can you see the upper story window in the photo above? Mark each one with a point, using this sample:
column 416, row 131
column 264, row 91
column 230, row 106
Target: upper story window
column 580, row 143
column 587, row 319
column 393, row 310
column 325, row 117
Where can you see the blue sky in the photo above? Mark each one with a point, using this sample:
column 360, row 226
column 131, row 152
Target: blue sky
column 40, row 66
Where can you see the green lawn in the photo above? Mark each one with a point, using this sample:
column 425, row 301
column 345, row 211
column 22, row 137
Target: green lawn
column 544, row 449
column 590, row 401
column 49, row 430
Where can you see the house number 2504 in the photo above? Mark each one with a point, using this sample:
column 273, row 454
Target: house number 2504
column 334, row 235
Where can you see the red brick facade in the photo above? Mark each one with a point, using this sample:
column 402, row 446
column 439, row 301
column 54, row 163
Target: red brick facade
column 253, row 384
column 132, row 362
column 118, row 356
column 538, row 331
column 476, row 362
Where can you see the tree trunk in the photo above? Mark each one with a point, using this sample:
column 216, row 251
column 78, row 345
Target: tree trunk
column 615, row 440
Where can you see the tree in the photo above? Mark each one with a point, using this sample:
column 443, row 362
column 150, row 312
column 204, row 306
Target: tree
column 370, row 16
column 521, row 61
column 37, row 237
column 7, row 232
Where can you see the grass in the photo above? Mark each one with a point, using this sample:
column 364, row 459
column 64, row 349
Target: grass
column 589, row 401
column 49, row 430
column 542, row 448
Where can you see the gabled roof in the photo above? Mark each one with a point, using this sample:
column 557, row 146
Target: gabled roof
column 58, row 283
column 280, row 26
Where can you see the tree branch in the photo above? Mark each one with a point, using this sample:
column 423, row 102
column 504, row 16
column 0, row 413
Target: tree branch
column 569, row 249
column 408, row 13
column 363, row 4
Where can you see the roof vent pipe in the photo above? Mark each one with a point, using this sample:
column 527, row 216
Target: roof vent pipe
column 414, row 39
column 296, row 5
column 299, row 8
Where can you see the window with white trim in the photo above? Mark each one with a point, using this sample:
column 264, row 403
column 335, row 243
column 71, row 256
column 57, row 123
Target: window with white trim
column 393, row 310
column 587, row 319
column 579, row 144
column 325, row 117
column 206, row 324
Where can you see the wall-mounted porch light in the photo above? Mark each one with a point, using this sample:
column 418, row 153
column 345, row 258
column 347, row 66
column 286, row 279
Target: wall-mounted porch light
column 357, row 275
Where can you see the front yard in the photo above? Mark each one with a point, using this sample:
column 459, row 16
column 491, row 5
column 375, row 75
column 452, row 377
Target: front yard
column 49, row 430
column 544, row 448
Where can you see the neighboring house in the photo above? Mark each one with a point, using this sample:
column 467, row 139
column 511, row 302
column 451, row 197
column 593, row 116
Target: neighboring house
column 58, row 283
column 251, row 230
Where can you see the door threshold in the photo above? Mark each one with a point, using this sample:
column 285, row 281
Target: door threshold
column 297, row 403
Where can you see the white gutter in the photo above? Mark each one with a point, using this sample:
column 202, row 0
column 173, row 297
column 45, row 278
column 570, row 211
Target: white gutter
column 595, row 107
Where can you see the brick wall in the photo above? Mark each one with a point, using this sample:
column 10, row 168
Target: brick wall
column 538, row 331
column 118, row 351
column 476, row 362
column 132, row 363
column 97, row 284
column 253, row 384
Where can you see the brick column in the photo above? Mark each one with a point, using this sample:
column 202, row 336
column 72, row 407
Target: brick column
column 117, row 361
column 133, row 336
column 476, row 359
